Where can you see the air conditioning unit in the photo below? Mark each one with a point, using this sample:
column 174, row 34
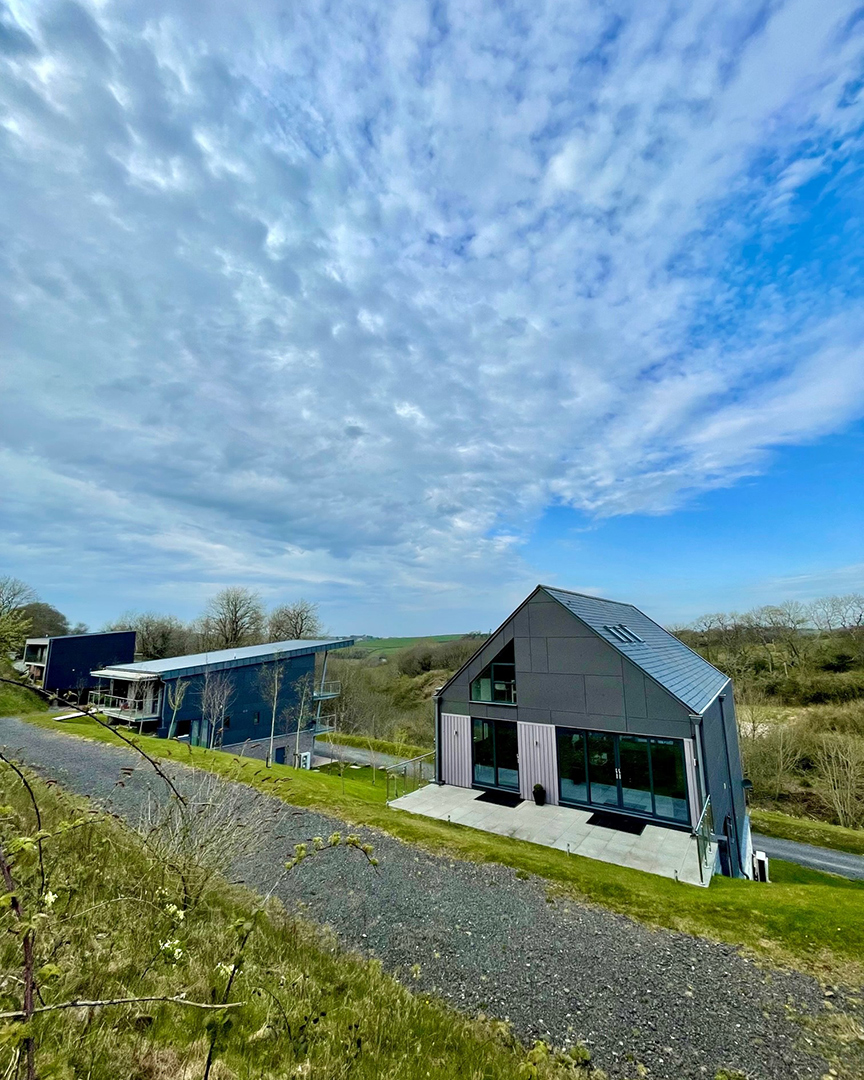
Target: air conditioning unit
column 760, row 866
column 304, row 760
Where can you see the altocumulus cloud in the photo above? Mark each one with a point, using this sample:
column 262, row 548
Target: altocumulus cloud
column 341, row 295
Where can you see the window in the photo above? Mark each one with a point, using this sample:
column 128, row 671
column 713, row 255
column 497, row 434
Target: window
column 227, row 723
column 497, row 682
column 495, row 753
column 256, row 719
column 623, row 633
column 627, row 772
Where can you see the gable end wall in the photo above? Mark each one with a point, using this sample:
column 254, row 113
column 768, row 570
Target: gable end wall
column 567, row 675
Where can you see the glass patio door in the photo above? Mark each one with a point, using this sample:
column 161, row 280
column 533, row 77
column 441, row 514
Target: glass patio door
column 634, row 768
column 602, row 769
column 495, row 754
column 642, row 774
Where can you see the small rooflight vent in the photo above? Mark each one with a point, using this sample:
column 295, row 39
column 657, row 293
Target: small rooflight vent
column 625, row 634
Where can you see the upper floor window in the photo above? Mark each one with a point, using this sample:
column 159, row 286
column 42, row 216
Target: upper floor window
column 497, row 681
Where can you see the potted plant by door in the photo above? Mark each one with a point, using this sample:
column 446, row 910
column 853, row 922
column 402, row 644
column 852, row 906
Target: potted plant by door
column 539, row 794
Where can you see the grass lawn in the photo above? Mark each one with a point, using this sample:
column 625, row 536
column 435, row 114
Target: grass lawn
column 807, row 831
column 15, row 700
column 802, row 919
column 386, row 646
column 112, row 920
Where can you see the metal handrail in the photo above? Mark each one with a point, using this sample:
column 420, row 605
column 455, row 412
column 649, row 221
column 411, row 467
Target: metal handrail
column 704, row 833
column 328, row 689
column 401, row 769
column 145, row 707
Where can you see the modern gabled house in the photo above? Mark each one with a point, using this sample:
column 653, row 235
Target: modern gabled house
column 609, row 713
column 225, row 698
column 62, row 665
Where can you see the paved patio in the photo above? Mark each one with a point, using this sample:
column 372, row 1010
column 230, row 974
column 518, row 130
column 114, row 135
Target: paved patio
column 668, row 852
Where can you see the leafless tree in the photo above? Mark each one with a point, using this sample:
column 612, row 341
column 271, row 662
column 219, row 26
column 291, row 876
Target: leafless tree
column 296, row 717
column 233, row 617
column 176, row 693
column 157, row 636
column 840, row 760
column 271, row 681
column 216, row 693
column 14, row 594
column 294, row 622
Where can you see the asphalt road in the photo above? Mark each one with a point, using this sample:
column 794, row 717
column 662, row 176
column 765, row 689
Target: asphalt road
column 816, row 858
column 486, row 941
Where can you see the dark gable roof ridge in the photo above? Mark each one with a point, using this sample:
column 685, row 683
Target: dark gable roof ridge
column 688, row 677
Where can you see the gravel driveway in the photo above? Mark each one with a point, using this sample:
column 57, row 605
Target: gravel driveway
column 487, row 941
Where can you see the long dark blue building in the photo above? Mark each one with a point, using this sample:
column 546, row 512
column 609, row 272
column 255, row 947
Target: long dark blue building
column 226, row 697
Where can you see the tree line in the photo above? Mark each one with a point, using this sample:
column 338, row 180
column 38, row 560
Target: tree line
column 799, row 653
column 233, row 617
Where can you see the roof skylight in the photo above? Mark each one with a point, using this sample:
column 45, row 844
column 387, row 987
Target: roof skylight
column 625, row 634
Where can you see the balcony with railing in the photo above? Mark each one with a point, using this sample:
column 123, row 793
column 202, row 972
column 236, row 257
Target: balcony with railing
column 326, row 691
column 122, row 708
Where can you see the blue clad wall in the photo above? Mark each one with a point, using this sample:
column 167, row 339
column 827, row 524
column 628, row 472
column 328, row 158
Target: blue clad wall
column 71, row 659
column 248, row 698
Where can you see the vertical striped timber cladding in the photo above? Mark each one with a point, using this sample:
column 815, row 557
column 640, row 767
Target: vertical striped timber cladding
column 456, row 750
column 538, row 760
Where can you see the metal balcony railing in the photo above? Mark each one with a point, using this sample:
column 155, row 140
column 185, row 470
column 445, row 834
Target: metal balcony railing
column 407, row 776
column 115, row 705
column 327, row 690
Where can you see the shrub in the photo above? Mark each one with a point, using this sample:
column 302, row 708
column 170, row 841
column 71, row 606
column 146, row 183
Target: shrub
column 437, row 655
column 816, row 689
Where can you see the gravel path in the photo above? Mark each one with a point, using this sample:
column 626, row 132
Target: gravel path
column 488, row 941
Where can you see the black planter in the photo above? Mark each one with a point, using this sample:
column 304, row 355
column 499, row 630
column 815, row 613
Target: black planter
column 539, row 795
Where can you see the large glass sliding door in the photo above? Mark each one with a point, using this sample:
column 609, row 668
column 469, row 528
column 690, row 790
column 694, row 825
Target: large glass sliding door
column 635, row 770
column 495, row 754
column 637, row 773
column 602, row 770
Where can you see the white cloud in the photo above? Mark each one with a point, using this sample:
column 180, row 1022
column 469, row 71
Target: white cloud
column 343, row 300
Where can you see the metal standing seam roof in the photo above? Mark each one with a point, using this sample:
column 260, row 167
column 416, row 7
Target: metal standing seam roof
column 684, row 673
column 222, row 658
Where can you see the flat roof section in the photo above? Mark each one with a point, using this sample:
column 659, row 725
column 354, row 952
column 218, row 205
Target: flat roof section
column 219, row 659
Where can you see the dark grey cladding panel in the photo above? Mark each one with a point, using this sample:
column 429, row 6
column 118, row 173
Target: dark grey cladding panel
column 585, row 656
column 600, row 722
column 451, row 704
column 521, row 623
column 660, row 729
column 585, row 722
column 522, row 649
column 501, row 712
column 661, row 705
column 604, row 695
column 549, row 619
column 536, row 690
column 539, row 656
column 534, row 716
column 634, row 691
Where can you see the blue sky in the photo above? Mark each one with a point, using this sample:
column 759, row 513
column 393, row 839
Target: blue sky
column 405, row 308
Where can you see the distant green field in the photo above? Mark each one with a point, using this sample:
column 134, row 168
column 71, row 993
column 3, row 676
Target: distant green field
column 385, row 646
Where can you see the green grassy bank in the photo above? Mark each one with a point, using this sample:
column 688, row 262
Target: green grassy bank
column 803, row 919
column 108, row 915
